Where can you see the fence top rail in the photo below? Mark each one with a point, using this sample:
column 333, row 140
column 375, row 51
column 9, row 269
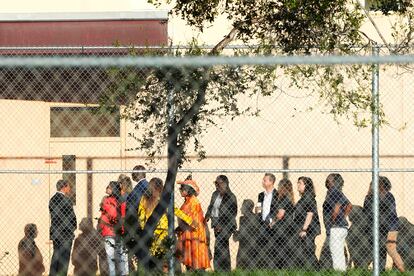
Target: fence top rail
column 199, row 61
column 242, row 171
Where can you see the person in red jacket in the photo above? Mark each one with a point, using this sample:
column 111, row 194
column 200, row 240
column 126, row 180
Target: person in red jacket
column 111, row 229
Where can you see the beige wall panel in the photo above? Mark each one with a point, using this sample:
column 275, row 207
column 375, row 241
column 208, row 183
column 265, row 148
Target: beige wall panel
column 25, row 128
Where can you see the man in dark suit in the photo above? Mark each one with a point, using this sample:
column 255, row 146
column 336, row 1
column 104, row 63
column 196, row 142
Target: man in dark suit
column 222, row 211
column 266, row 210
column 131, row 237
column 62, row 227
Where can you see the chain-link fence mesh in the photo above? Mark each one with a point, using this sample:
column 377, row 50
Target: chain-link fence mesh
column 89, row 124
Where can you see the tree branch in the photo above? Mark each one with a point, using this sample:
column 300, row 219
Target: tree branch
column 195, row 107
column 224, row 42
column 373, row 24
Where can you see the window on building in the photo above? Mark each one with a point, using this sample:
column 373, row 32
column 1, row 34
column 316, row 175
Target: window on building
column 83, row 122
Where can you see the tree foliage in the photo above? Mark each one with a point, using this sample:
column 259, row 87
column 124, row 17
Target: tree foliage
column 389, row 6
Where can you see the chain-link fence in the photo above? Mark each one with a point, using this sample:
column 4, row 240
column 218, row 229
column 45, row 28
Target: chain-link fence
column 267, row 131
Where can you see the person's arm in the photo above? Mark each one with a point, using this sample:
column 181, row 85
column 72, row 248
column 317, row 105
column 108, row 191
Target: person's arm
column 282, row 206
column 233, row 206
column 308, row 220
column 336, row 210
column 279, row 216
column 54, row 209
column 72, row 215
column 348, row 209
column 210, row 208
column 184, row 217
column 339, row 200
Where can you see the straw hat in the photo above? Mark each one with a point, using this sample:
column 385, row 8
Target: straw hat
column 191, row 183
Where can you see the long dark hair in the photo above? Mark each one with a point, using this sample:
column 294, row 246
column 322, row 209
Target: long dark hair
column 285, row 188
column 309, row 188
column 116, row 189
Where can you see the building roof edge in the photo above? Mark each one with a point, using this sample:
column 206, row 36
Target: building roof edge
column 85, row 16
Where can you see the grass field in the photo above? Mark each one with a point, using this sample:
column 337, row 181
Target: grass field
column 353, row 272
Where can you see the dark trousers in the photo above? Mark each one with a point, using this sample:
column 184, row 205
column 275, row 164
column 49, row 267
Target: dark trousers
column 325, row 259
column 305, row 256
column 285, row 244
column 267, row 248
column 222, row 260
column 60, row 259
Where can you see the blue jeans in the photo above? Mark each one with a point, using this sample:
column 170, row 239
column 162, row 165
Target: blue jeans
column 60, row 259
column 117, row 256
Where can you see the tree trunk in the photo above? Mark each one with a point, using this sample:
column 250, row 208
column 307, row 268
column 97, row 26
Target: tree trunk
column 160, row 209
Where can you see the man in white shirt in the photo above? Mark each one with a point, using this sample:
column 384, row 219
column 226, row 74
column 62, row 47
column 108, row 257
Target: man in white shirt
column 266, row 210
column 223, row 211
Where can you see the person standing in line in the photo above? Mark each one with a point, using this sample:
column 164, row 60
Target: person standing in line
column 336, row 208
column 30, row 258
column 62, row 227
column 307, row 226
column 222, row 211
column 282, row 222
column 132, row 202
column 135, row 195
column 192, row 237
column 126, row 188
column 266, row 210
column 126, row 185
column 111, row 229
column 388, row 220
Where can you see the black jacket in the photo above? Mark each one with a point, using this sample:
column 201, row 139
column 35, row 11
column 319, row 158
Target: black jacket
column 227, row 211
column 273, row 204
column 63, row 219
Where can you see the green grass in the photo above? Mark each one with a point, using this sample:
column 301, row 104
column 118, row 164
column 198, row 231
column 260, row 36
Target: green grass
column 352, row 272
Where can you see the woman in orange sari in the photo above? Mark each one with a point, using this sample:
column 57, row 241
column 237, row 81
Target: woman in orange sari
column 192, row 239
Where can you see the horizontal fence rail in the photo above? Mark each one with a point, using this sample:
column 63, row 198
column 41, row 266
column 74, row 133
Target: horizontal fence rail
column 279, row 144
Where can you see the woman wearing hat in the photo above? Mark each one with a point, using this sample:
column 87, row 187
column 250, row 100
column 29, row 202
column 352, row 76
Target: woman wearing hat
column 192, row 239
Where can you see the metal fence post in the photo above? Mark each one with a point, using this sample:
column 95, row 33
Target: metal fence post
column 170, row 212
column 285, row 165
column 375, row 158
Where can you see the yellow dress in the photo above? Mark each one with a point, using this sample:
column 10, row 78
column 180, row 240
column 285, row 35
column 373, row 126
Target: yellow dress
column 161, row 231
